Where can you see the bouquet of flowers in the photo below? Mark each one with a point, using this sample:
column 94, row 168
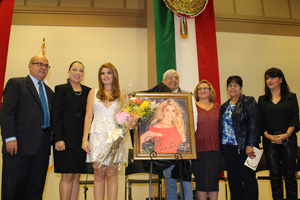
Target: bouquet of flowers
column 113, row 152
column 135, row 110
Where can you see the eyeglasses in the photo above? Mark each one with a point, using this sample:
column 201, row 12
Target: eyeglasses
column 204, row 89
column 233, row 85
column 41, row 65
column 172, row 77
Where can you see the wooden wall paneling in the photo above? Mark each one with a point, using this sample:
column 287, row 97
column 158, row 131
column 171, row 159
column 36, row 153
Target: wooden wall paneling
column 75, row 3
column 295, row 9
column 262, row 8
column 276, row 17
column 224, row 6
column 59, row 16
column 19, row 2
column 42, row 2
column 276, row 8
column 257, row 25
column 234, row 7
column 135, row 4
column 109, row 3
column 251, row 8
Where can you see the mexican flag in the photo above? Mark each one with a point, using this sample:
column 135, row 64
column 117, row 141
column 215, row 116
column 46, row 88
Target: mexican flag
column 6, row 12
column 195, row 58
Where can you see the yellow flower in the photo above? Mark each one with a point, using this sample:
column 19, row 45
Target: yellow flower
column 143, row 114
column 126, row 110
column 137, row 110
column 144, row 105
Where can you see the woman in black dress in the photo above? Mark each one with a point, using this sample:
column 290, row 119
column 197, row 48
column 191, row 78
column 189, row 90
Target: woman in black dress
column 280, row 124
column 68, row 118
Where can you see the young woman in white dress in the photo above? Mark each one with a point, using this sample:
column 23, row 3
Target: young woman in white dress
column 102, row 106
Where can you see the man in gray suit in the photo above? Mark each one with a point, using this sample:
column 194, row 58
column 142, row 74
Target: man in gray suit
column 26, row 132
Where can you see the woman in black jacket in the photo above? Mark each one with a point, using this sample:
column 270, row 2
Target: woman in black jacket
column 280, row 113
column 68, row 118
column 239, row 133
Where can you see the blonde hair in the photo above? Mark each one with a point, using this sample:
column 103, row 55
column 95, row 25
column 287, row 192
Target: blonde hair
column 178, row 122
column 116, row 86
column 212, row 95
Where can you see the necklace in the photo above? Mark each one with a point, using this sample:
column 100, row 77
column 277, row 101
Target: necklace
column 78, row 93
column 204, row 106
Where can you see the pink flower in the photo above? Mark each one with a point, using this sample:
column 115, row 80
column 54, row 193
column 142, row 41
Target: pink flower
column 136, row 100
column 139, row 101
column 122, row 117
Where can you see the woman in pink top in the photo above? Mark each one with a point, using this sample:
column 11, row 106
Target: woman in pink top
column 167, row 129
column 207, row 167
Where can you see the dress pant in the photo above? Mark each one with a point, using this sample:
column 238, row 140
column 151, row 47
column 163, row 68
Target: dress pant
column 172, row 186
column 281, row 161
column 242, row 180
column 23, row 177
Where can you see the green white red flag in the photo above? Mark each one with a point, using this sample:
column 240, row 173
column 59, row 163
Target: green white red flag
column 195, row 58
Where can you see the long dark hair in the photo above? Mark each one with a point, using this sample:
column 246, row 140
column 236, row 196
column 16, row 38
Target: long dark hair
column 284, row 87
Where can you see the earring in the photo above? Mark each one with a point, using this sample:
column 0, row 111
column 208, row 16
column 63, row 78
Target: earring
column 162, row 116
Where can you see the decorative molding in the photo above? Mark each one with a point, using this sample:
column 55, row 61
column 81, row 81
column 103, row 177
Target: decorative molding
column 64, row 16
column 137, row 18
column 263, row 20
column 79, row 11
column 258, row 25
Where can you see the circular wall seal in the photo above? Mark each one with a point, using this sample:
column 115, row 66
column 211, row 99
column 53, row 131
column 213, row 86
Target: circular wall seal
column 186, row 8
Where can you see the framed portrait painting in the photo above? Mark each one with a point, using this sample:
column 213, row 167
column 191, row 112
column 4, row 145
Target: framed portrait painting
column 170, row 132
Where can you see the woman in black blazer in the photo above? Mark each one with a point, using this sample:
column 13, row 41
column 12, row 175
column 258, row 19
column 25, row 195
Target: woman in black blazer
column 239, row 132
column 68, row 118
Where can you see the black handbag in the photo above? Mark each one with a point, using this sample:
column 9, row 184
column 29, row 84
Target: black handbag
column 186, row 170
column 159, row 165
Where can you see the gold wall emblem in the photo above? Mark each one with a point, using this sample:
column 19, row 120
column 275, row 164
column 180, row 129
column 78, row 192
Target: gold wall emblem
column 188, row 8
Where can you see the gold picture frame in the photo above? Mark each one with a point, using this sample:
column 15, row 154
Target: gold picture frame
column 166, row 140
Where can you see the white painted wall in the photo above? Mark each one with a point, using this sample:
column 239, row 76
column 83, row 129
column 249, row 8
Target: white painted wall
column 247, row 55
column 250, row 55
column 126, row 48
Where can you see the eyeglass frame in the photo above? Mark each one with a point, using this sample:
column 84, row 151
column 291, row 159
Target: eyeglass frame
column 204, row 89
column 172, row 77
column 40, row 64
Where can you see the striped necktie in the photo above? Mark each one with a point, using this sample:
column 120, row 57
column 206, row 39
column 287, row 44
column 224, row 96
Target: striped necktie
column 44, row 105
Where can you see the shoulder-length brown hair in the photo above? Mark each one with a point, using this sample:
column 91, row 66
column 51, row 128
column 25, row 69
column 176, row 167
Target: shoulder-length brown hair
column 116, row 86
column 212, row 95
